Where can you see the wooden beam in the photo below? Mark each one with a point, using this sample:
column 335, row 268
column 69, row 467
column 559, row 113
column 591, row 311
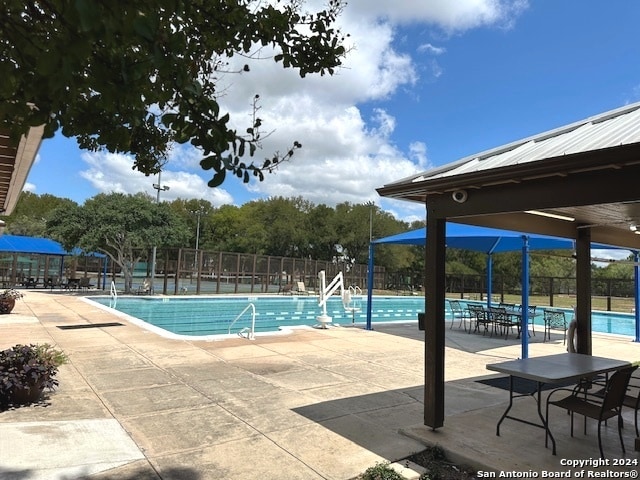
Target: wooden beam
column 583, row 290
column 434, row 330
column 588, row 188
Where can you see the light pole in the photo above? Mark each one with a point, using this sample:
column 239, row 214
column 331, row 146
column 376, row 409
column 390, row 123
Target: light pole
column 157, row 186
column 198, row 213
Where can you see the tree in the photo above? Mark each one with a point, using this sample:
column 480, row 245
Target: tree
column 124, row 227
column 30, row 215
column 136, row 76
column 196, row 214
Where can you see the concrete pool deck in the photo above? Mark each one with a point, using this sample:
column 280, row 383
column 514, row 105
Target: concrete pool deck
column 315, row 404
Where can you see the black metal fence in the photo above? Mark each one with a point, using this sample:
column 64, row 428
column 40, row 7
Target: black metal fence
column 607, row 294
column 190, row 271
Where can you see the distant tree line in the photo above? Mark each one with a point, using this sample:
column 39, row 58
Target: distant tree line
column 118, row 224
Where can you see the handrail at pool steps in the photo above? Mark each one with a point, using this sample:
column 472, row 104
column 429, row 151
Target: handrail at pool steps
column 355, row 290
column 250, row 331
column 114, row 294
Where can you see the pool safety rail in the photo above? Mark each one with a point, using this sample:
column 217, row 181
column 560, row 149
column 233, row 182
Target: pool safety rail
column 248, row 331
column 114, row 295
column 326, row 291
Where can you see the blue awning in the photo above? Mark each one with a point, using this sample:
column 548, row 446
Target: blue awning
column 38, row 246
column 33, row 245
column 487, row 240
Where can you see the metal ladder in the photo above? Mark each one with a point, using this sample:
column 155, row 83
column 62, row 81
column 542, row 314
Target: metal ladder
column 113, row 292
column 249, row 331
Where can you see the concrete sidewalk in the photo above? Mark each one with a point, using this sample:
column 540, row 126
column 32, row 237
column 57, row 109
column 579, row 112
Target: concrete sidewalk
column 314, row 404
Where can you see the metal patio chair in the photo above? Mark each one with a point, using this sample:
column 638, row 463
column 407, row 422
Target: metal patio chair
column 459, row 313
column 600, row 407
column 556, row 320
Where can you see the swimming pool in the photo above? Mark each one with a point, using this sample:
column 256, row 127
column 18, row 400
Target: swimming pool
column 205, row 316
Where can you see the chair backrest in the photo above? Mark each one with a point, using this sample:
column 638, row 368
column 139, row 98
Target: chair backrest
column 531, row 309
column 84, row 281
column 498, row 313
column 617, row 388
column 301, row 287
column 476, row 310
column 555, row 319
column 455, row 306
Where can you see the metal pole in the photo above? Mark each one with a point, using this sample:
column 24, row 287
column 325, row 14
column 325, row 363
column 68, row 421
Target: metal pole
column 636, row 282
column 524, row 329
column 157, row 186
column 198, row 231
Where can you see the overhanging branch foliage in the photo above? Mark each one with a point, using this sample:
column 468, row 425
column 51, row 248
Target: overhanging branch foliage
column 132, row 77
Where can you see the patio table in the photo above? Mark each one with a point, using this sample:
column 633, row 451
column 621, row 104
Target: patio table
column 515, row 315
column 551, row 369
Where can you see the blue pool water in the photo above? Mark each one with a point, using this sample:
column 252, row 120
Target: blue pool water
column 203, row 316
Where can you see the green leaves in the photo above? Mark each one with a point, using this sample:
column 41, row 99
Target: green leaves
column 136, row 76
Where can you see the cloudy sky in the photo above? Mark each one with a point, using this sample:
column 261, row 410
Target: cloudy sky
column 425, row 83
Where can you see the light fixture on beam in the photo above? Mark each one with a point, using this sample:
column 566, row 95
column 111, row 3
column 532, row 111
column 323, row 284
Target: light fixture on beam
column 566, row 218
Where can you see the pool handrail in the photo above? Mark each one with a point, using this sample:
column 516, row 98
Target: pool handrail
column 251, row 335
column 114, row 294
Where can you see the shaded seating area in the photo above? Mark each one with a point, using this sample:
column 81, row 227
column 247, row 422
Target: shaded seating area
column 85, row 284
column 71, row 284
column 480, row 317
column 31, row 282
column 496, row 320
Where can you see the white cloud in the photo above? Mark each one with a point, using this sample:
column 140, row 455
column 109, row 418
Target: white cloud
column 347, row 152
column 430, row 49
column 345, row 155
column 110, row 172
column 29, row 187
column 450, row 16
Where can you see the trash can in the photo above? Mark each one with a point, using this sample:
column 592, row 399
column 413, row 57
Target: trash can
column 421, row 321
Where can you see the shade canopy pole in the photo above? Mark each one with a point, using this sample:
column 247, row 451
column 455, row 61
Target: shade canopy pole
column 369, row 287
column 636, row 283
column 524, row 325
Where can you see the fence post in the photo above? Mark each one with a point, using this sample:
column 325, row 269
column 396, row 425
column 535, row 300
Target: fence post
column 178, row 265
column 551, row 291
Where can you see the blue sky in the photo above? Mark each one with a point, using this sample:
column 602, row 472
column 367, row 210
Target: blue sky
column 425, row 83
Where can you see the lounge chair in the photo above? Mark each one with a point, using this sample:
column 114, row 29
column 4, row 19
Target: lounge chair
column 144, row 288
column 31, row 282
column 302, row 289
column 84, row 284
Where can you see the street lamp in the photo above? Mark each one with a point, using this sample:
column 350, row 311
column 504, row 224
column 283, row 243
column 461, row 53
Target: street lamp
column 199, row 213
column 159, row 187
column 372, row 207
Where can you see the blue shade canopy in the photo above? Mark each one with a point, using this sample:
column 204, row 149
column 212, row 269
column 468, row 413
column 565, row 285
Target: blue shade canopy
column 482, row 239
column 34, row 245
column 37, row 245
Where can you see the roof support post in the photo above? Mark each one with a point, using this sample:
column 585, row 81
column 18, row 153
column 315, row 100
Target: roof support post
column 434, row 330
column 583, row 290
column 636, row 283
column 524, row 325
column 369, row 286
